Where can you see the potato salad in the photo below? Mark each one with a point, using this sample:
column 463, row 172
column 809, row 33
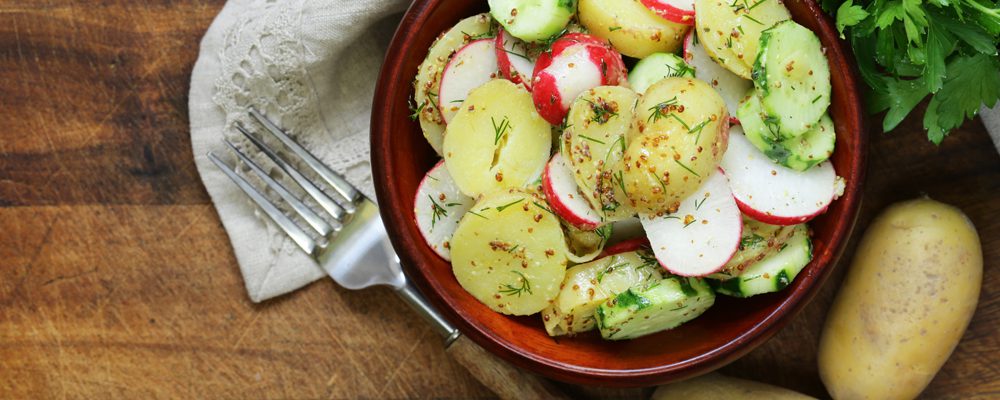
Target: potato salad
column 558, row 121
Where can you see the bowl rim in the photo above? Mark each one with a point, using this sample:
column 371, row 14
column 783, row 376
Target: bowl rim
column 763, row 329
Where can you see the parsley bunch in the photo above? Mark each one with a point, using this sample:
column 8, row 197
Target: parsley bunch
column 907, row 50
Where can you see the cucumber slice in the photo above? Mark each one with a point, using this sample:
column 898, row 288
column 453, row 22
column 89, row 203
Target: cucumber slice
column 793, row 78
column 758, row 241
column 533, row 20
column 588, row 285
column 798, row 153
column 655, row 67
column 667, row 304
column 773, row 273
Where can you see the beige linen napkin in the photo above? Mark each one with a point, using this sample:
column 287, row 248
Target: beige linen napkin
column 309, row 64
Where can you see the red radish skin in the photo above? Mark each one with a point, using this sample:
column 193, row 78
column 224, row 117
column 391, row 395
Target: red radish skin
column 437, row 230
column 702, row 236
column 679, row 11
column 625, row 247
column 470, row 67
column 576, row 63
column 515, row 68
column 774, row 194
column 564, row 197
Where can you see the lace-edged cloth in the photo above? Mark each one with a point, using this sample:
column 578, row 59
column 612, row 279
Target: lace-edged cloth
column 310, row 66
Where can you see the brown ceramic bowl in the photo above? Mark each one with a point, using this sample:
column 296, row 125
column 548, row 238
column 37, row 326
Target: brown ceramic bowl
column 730, row 329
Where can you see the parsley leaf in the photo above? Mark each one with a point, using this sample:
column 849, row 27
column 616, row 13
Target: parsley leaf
column 910, row 50
column 849, row 14
column 971, row 82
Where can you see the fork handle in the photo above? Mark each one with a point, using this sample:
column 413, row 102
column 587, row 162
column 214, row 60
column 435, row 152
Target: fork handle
column 505, row 380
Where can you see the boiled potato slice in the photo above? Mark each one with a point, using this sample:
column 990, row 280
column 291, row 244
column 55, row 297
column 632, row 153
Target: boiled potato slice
column 730, row 30
column 588, row 285
column 680, row 133
column 908, row 297
column 594, row 141
column 633, row 30
column 509, row 252
column 497, row 140
column 428, row 79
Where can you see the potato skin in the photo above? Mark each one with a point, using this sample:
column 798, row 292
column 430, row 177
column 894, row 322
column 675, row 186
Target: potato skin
column 716, row 386
column 680, row 132
column 909, row 295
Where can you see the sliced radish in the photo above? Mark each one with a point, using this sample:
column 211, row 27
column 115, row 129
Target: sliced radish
column 513, row 59
column 437, row 208
column 730, row 86
column 576, row 63
column 565, row 197
column 626, row 246
column 470, row 67
column 772, row 193
column 679, row 11
column 702, row 235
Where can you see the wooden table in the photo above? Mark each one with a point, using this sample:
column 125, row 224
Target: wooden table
column 117, row 279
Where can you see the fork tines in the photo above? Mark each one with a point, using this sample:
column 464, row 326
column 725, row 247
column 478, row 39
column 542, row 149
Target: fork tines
column 338, row 210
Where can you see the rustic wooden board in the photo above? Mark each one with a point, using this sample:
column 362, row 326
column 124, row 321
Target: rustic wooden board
column 117, row 279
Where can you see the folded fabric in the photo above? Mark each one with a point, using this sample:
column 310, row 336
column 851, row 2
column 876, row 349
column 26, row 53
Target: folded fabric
column 310, row 65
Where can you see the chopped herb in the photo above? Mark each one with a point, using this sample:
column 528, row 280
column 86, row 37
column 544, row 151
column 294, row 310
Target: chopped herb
column 590, row 139
column 756, row 4
column 524, row 56
column 499, row 130
column 747, row 16
column 614, row 28
column 671, row 216
column 679, row 308
column 603, row 232
column 525, row 286
column 817, row 98
column 697, row 129
column 512, row 249
column 608, row 270
column 543, row 207
column 477, row 214
column 687, row 168
column 617, row 177
column 602, row 111
column 660, row 110
column 663, row 186
column 505, row 206
column 416, row 110
column 437, row 212
column 682, row 70
column 619, row 140
column 674, row 116
column 750, row 241
column 697, row 204
column 457, row 101
column 693, row 220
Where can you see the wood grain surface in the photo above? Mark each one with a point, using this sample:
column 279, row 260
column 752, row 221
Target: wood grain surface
column 117, row 279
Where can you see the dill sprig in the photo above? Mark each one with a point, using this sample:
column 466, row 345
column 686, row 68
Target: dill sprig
column 510, row 290
column 499, row 130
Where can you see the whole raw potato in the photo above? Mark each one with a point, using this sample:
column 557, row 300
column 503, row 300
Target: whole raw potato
column 715, row 386
column 907, row 299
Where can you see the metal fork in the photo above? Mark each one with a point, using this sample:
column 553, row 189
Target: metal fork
column 346, row 237
column 349, row 241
